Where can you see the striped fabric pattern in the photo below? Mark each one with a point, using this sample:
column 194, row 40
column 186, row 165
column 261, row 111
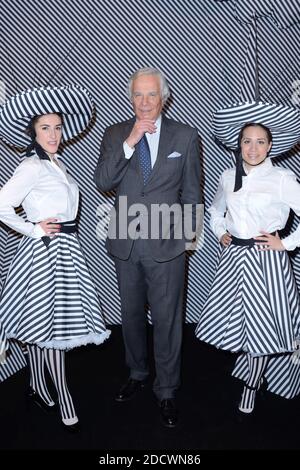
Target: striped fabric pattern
column 281, row 374
column 202, row 52
column 254, row 381
column 283, row 15
column 253, row 305
column 3, row 344
column 55, row 360
column 56, row 277
column 73, row 101
column 14, row 360
column 284, row 122
column 36, row 362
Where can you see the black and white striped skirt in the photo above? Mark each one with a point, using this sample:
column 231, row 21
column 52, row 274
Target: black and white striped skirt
column 12, row 360
column 3, row 342
column 49, row 298
column 253, row 305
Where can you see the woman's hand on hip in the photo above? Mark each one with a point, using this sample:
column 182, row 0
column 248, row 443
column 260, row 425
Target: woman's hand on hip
column 50, row 226
column 225, row 239
column 266, row 241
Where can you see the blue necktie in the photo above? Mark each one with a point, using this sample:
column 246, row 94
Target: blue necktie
column 145, row 158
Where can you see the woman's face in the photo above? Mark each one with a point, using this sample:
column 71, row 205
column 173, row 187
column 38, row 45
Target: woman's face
column 254, row 145
column 48, row 129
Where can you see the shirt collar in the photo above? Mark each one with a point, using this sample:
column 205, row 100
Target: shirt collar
column 46, row 157
column 158, row 126
column 261, row 169
column 158, row 123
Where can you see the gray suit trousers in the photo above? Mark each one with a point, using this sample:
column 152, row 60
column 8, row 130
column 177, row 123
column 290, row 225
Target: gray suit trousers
column 142, row 279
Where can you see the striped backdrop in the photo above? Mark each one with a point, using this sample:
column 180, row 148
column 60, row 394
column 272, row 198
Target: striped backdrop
column 200, row 45
column 14, row 360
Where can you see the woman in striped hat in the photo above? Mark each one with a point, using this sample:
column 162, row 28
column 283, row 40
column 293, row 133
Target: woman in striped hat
column 48, row 300
column 253, row 305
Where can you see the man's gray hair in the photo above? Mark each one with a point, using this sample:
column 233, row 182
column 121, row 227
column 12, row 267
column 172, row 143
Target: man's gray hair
column 164, row 87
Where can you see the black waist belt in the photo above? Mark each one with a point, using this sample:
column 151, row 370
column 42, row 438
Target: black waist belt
column 65, row 227
column 68, row 227
column 250, row 242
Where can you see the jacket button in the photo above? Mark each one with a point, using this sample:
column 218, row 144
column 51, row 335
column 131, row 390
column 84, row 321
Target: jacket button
column 142, row 194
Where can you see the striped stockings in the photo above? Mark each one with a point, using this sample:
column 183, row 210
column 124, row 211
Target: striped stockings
column 55, row 360
column 257, row 365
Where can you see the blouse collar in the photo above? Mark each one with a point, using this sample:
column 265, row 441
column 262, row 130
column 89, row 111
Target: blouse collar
column 261, row 169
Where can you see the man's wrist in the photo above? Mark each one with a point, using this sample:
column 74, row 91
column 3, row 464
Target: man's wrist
column 128, row 151
column 130, row 143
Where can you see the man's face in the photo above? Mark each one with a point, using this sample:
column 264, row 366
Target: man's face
column 146, row 97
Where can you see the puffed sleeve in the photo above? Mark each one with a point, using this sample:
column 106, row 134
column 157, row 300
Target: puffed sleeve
column 13, row 194
column 290, row 195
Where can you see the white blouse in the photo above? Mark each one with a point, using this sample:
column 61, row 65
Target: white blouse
column 263, row 203
column 44, row 190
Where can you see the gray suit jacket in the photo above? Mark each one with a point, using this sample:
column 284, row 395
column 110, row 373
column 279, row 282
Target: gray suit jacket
column 174, row 180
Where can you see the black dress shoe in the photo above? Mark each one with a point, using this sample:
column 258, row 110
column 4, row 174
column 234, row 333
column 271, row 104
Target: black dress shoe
column 169, row 412
column 33, row 397
column 129, row 389
column 72, row 428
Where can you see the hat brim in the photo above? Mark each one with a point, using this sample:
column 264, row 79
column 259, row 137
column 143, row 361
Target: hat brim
column 72, row 101
column 283, row 121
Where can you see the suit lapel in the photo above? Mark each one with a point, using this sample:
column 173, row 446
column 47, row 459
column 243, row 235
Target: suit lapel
column 128, row 125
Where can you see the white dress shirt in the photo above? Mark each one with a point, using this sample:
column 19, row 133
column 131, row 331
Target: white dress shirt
column 263, row 203
column 153, row 142
column 44, row 190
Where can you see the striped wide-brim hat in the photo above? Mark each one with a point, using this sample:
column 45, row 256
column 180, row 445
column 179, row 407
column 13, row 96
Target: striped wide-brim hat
column 283, row 121
column 72, row 101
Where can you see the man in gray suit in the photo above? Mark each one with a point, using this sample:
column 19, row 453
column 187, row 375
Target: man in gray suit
column 154, row 165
